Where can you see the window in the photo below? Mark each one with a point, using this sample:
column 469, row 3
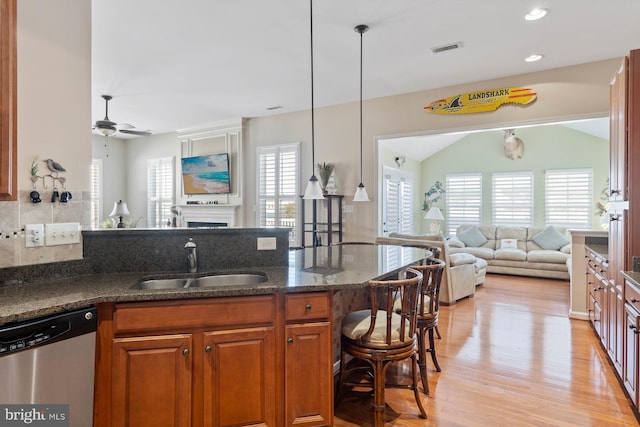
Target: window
column 160, row 192
column 569, row 198
column 463, row 200
column 512, row 199
column 278, row 187
column 96, row 193
column 398, row 212
column 398, row 202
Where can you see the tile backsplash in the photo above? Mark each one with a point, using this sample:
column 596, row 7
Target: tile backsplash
column 14, row 216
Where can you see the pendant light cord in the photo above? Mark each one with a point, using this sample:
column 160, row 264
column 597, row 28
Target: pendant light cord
column 361, row 33
column 313, row 147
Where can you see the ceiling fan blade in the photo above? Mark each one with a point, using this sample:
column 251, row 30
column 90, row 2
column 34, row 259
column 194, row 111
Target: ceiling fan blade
column 135, row 132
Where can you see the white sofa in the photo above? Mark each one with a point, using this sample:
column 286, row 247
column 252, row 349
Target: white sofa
column 527, row 258
column 463, row 272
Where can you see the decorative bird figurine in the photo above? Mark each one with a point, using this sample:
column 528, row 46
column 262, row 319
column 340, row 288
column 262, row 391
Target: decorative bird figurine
column 54, row 166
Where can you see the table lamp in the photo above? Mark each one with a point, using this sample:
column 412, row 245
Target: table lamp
column 435, row 215
column 120, row 210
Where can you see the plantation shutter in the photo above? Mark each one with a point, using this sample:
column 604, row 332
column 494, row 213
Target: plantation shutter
column 569, row 198
column 278, row 188
column 160, row 191
column 513, row 199
column 96, row 193
column 463, row 200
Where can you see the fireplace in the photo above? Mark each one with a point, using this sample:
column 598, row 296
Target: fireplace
column 206, row 215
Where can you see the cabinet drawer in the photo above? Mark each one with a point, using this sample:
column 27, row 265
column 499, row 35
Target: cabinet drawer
column 307, row 306
column 632, row 295
column 209, row 313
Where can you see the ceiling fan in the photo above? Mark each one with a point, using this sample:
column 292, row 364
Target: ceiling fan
column 107, row 128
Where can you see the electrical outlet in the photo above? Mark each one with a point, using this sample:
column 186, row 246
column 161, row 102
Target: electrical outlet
column 34, row 235
column 347, row 208
column 65, row 233
column 266, row 243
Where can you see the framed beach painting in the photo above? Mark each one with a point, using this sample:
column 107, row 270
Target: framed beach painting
column 206, row 174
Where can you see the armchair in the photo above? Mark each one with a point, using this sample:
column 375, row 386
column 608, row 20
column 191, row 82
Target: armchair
column 463, row 272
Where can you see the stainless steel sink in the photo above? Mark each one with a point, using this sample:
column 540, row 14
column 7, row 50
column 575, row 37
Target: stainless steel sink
column 163, row 283
column 202, row 282
column 229, row 279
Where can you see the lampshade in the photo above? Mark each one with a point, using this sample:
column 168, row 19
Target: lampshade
column 434, row 213
column 119, row 209
column 106, row 130
column 361, row 192
column 313, row 190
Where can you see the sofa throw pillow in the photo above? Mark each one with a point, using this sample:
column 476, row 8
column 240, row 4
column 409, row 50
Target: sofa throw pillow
column 472, row 237
column 550, row 239
column 508, row 243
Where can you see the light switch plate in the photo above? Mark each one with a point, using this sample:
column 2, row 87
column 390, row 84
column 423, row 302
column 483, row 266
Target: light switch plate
column 34, row 235
column 65, row 233
column 266, row 243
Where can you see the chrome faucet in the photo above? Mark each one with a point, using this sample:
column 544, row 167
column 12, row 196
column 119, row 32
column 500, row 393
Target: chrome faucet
column 190, row 246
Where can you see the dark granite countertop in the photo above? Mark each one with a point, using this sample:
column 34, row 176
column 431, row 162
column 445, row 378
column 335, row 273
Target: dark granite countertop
column 311, row 269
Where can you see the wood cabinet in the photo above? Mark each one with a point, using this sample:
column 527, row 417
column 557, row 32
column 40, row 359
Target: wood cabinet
column 152, row 380
column 8, row 102
column 630, row 373
column 598, row 286
column 309, row 374
column 322, row 231
column 263, row 360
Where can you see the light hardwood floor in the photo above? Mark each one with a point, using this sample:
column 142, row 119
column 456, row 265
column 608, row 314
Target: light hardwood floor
column 510, row 356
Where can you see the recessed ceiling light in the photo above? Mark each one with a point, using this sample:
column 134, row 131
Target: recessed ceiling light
column 536, row 14
column 533, row 58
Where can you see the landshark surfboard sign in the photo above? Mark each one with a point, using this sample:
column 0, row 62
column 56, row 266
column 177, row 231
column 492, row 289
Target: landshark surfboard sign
column 482, row 101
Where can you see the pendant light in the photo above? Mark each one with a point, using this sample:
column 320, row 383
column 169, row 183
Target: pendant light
column 313, row 190
column 361, row 192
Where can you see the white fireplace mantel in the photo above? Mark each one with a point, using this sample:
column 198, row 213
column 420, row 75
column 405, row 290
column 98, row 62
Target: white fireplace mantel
column 207, row 213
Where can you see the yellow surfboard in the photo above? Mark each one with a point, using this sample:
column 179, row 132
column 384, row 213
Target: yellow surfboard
column 482, row 101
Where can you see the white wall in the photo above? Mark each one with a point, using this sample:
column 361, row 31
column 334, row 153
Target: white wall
column 112, row 152
column 572, row 92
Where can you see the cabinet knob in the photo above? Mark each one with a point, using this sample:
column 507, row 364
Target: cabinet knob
column 634, row 300
column 290, row 341
column 185, row 352
column 207, row 349
column 307, row 307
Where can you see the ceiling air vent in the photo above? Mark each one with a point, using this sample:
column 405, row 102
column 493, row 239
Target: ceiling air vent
column 451, row 46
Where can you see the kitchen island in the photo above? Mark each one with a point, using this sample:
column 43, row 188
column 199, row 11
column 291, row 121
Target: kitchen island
column 259, row 354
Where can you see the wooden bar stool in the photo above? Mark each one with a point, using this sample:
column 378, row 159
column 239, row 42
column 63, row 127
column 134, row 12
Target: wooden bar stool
column 427, row 318
column 382, row 334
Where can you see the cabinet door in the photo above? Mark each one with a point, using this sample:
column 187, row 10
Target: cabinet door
column 630, row 366
column 152, row 381
column 240, row 377
column 618, row 134
column 309, row 375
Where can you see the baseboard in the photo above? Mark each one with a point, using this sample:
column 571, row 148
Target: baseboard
column 579, row 315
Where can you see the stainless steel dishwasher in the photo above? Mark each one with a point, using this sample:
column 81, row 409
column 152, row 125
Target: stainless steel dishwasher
column 50, row 361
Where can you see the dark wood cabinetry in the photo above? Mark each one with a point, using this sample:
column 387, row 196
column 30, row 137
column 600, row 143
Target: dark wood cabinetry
column 322, row 231
column 8, row 102
column 616, row 314
column 225, row 361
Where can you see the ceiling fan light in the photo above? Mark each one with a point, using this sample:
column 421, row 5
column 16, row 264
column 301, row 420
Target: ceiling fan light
column 313, row 190
column 361, row 194
column 106, row 131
